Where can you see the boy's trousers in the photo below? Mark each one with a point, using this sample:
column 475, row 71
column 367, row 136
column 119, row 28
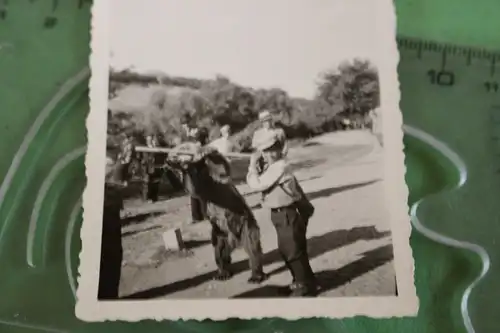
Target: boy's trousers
column 292, row 243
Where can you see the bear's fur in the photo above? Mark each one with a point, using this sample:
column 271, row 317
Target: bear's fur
column 207, row 176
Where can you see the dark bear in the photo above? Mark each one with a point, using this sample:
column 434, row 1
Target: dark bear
column 206, row 175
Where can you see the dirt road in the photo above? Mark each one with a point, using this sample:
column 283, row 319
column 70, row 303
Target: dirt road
column 349, row 237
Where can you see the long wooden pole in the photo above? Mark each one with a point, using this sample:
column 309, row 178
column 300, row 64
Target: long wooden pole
column 143, row 149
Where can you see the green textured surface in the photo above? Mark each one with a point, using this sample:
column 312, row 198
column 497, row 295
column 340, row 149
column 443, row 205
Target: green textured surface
column 39, row 60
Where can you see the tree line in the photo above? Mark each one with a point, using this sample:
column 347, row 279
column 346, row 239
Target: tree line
column 344, row 98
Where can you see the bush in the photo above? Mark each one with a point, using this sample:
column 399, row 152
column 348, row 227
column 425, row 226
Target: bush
column 243, row 139
column 349, row 92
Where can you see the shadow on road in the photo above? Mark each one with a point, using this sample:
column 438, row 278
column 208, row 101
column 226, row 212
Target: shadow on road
column 317, row 245
column 135, row 232
column 311, row 144
column 192, row 244
column 268, row 291
column 334, row 190
column 311, row 163
column 329, row 191
column 139, row 218
column 331, row 279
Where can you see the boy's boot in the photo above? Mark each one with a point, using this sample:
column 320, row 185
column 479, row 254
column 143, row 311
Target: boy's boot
column 305, row 283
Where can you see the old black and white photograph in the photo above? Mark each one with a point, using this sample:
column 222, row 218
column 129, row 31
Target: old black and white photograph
column 245, row 160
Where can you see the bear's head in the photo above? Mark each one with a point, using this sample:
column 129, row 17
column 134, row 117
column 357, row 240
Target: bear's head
column 202, row 167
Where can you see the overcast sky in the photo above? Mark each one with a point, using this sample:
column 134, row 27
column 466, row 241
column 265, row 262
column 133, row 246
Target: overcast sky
column 258, row 43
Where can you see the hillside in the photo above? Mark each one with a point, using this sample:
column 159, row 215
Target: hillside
column 154, row 103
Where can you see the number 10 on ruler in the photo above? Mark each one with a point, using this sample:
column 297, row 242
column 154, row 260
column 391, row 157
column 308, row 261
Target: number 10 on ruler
column 441, row 78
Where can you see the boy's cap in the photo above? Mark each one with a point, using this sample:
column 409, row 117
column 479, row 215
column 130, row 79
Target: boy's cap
column 265, row 115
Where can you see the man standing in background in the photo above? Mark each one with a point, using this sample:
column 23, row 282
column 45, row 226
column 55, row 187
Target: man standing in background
column 376, row 128
column 125, row 159
column 268, row 125
column 223, row 144
column 198, row 205
column 188, row 131
column 191, row 133
column 262, row 133
column 152, row 174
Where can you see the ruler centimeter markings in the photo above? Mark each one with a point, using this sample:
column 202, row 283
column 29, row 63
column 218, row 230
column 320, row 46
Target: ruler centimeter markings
column 446, row 77
column 463, row 73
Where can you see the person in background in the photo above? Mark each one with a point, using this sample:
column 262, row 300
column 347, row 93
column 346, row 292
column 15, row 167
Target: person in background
column 188, row 130
column 174, row 177
column 153, row 172
column 190, row 133
column 283, row 195
column 175, row 141
column 223, row 144
column 201, row 136
column 198, row 205
column 268, row 126
column 376, row 125
column 125, row 159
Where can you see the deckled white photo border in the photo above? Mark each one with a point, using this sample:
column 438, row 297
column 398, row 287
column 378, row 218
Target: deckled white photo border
column 88, row 308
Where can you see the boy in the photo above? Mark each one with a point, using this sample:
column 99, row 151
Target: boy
column 283, row 195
